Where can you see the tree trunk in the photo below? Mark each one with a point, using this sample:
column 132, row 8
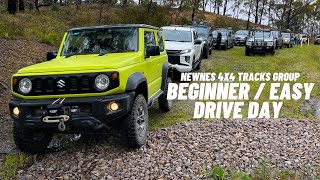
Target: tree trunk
column 12, row 6
column 149, row 7
column 100, row 11
column 193, row 12
column 256, row 18
column 21, row 5
column 225, row 7
column 179, row 10
column 262, row 11
column 289, row 15
column 248, row 21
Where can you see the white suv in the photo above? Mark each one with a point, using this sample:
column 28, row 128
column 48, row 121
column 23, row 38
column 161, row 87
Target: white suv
column 183, row 47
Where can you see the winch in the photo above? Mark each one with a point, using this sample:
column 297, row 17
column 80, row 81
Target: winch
column 55, row 114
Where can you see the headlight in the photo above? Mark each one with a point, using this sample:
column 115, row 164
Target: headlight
column 185, row 51
column 187, row 59
column 269, row 43
column 249, row 43
column 25, row 86
column 102, row 82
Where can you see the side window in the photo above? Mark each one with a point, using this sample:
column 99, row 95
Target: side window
column 195, row 35
column 160, row 41
column 149, row 38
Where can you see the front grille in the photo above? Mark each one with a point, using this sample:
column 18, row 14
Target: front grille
column 173, row 52
column 258, row 43
column 65, row 84
column 174, row 59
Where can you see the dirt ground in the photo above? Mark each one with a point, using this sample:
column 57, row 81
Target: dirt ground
column 14, row 54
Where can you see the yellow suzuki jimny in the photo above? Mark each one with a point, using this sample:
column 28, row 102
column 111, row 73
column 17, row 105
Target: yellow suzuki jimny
column 99, row 75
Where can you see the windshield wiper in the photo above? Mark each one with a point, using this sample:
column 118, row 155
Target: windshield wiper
column 69, row 55
column 116, row 51
column 103, row 53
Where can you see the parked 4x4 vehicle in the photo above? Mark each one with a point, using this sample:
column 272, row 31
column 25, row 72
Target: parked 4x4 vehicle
column 204, row 33
column 227, row 39
column 288, row 39
column 278, row 38
column 317, row 40
column 99, row 75
column 183, row 47
column 260, row 42
column 241, row 37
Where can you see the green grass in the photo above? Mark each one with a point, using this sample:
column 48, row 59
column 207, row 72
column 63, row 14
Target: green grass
column 180, row 112
column 262, row 172
column 14, row 162
column 305, row 60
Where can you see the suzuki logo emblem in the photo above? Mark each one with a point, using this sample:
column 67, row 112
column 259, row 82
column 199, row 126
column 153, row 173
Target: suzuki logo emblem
column 61, row 83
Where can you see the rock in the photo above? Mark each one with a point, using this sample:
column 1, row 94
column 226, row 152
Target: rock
column 239, row 144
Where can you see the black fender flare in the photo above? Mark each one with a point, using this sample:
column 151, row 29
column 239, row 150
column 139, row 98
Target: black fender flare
column 166, row 69
column 134, row 80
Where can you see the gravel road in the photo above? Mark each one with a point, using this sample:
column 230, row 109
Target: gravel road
column 184, row 150
column 14, row 54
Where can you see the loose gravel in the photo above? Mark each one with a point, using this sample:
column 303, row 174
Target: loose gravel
column 185, row 150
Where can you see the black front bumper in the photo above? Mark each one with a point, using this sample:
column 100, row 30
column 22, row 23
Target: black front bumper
column 92, row 113
column 257, row 48
column 240, row 42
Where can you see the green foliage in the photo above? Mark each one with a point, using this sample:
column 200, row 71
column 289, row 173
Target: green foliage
column 236, row 175
column 216, row 173
column 262, row 172
column 49, row 25
column 286, row 175
column 13, row 163
column 304, row 60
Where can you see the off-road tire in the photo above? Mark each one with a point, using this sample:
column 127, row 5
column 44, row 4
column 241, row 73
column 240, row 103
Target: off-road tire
column 27, row 141
column 248, row 52
column 273, row 52
column 225, row 47
column 210, row 51
column 133, row 119
column 165, row 104
column 205, row 54
column 199, row 65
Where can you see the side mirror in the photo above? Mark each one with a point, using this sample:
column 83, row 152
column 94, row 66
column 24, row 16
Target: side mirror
column 51, row 55
column 197, row 41
column 152, row 50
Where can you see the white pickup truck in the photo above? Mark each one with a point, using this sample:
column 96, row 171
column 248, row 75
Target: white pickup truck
column 183, row 47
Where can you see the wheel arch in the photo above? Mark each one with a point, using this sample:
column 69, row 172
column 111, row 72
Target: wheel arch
column 137, row 82
column 167, row 71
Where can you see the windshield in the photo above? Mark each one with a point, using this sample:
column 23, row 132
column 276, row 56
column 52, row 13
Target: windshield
column 242, row 32
column 178, row 36
column 215, row 33
column 286, row 35
column 101, row 40
column 262, row 34
column 202, row 30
